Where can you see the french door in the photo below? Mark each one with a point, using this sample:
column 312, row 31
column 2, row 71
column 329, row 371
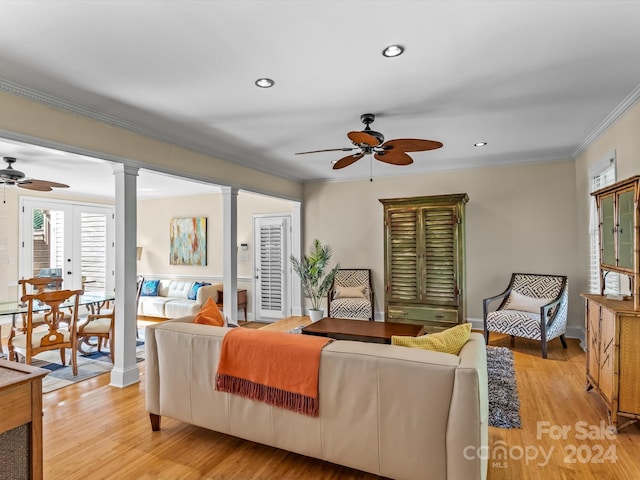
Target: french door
column 272, row 240
column 67, row 239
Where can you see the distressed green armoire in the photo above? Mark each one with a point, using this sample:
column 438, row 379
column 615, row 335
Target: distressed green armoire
column 424, row 260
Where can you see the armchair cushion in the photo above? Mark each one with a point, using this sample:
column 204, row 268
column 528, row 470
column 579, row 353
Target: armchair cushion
column 525, row 303
column 450, row 340
column 350, row 292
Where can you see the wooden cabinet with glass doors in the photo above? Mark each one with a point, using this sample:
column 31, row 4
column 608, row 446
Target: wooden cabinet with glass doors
column 619, row 232
column 613, row 326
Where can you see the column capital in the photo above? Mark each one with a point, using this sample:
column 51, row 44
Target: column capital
column 229, row 190
column 126, row 169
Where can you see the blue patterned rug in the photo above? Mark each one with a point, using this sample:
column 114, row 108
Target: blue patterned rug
column 504, row 404
column 89, row 366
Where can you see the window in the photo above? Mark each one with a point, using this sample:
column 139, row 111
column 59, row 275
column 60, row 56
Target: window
column 600, row 176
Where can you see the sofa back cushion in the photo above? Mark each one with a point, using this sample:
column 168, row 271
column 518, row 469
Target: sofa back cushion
column 177, row 289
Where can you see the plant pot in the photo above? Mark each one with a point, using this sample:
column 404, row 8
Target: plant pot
column 315, row 315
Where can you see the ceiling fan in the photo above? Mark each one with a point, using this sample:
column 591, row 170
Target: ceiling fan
column 11, row 176
column 371, row 142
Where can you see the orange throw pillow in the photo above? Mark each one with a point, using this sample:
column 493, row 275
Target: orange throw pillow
column 210, row 314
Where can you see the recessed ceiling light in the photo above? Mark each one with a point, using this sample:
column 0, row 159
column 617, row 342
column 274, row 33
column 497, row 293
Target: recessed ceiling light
column 265, row 83
column 480, row 144
column 393, row 51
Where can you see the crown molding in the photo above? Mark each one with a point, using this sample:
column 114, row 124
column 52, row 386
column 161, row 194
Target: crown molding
column 63, row 105
column 617, row 112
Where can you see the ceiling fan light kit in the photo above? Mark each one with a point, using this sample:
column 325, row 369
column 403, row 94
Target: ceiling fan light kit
column 370, row 142
column 11, row 176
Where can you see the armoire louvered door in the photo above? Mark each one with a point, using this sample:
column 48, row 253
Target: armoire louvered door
column 424, row 260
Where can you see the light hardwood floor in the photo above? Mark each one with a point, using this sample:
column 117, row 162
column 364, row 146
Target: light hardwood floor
column 95, row 431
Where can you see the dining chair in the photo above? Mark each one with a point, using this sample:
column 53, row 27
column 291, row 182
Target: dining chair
column 98, row 325
column 38, row 285
column 50, row 335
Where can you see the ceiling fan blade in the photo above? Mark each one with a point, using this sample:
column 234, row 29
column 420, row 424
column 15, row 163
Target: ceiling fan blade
column 46, row 183
column 35, row 186
column 346, row 149
column 395, row 158
column 360, row 138
column 411, row 145
column 348, row 160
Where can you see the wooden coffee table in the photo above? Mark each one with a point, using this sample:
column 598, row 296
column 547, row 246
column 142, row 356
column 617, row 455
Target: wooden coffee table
column 361, row 330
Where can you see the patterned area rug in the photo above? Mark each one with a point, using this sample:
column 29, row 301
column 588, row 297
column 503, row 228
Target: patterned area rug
column 89, row 366
column 504, row 405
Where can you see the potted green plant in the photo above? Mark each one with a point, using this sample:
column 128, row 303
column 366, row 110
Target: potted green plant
column 311, row 270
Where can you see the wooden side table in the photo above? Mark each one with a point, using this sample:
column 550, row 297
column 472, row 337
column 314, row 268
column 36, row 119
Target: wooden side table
column 21, row 422
column 242, row 301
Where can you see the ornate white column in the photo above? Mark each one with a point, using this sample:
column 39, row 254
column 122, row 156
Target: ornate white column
column 125, row 370
column 230, row 253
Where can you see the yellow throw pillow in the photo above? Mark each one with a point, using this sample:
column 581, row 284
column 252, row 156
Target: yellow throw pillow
column 349, row 292
column 448, row 341
column 210, row 314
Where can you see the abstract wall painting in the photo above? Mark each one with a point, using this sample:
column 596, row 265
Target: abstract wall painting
column 188, row 241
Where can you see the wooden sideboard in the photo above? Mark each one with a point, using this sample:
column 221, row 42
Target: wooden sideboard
column 242, row 301
column 613, row 357
column 21, row 420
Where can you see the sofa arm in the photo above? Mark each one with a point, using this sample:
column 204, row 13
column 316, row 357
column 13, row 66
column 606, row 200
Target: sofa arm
column 207, row 292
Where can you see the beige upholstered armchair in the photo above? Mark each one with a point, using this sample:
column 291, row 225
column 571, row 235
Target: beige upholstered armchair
column 351, row 294
column 533, row 306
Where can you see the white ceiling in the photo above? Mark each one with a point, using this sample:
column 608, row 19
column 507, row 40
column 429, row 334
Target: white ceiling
column 534, row 79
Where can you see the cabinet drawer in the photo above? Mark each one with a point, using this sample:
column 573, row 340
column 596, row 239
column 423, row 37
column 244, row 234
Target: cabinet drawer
column 401, row 313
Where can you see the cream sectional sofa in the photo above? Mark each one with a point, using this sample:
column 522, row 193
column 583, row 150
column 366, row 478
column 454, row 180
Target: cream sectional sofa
column 173, row 301
column 394, row 411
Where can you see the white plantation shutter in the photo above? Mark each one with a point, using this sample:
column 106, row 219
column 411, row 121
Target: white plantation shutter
column 270, row 267
column 600, row 177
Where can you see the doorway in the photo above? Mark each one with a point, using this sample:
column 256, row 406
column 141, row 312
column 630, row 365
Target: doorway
column 72, row 240
column 272, row 238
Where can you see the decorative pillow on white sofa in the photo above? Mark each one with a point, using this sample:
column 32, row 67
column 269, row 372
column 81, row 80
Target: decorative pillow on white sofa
column 523, row 303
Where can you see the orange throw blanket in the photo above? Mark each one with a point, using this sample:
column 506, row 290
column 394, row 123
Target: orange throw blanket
column 281, row 369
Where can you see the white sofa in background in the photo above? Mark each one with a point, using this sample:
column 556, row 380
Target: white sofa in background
column 173, row 301
column 394, row 411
